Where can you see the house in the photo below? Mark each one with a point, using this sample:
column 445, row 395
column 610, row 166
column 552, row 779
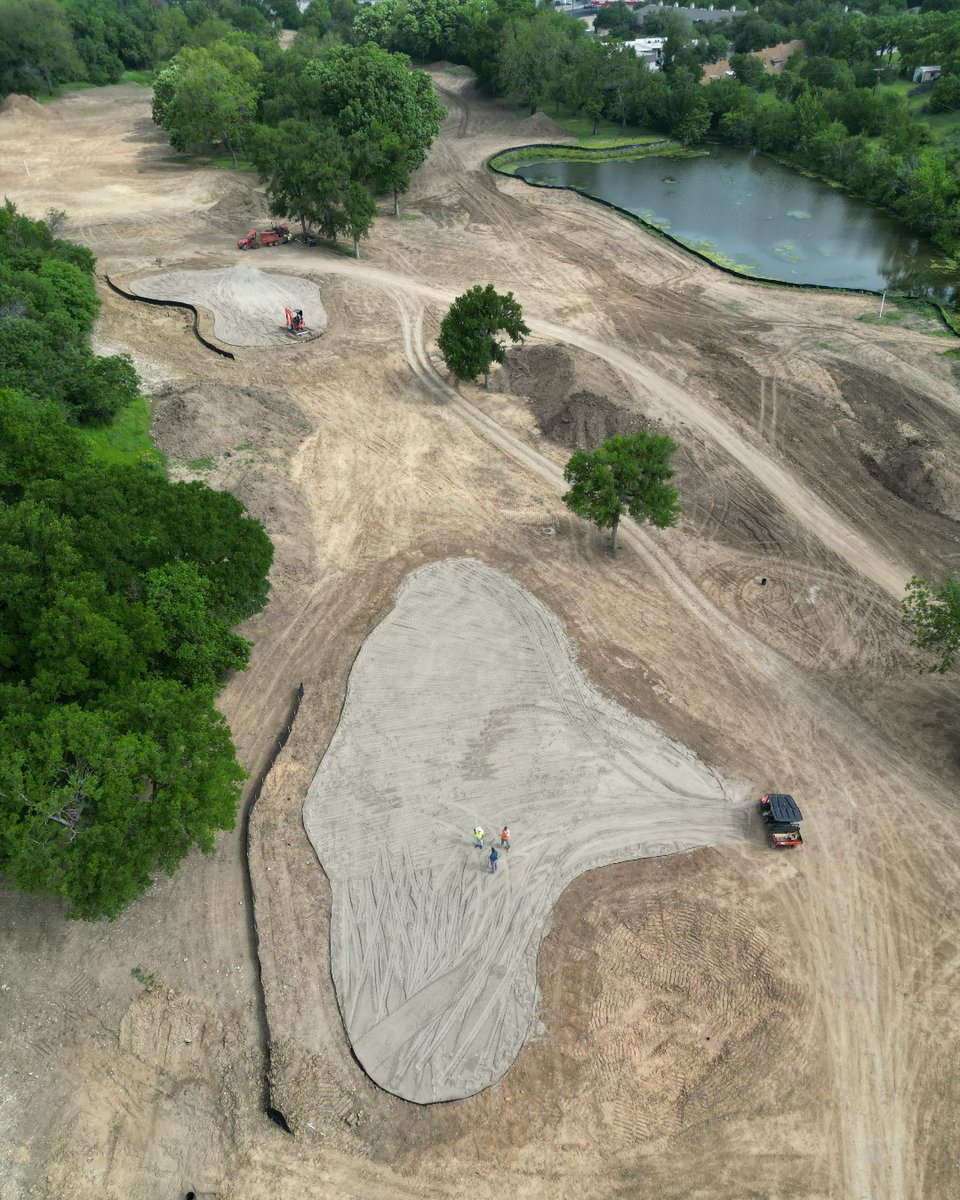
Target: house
column 650, row 49
column 926, row 74
column 774, row 58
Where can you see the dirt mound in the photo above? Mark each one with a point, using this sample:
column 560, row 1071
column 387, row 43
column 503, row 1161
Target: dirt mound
column 577, row 400
column 210, row 420
column 239, row 440
column 919, row 473
column 25, row 107
column 901, row 439
column 540, row 128
column 242, row 206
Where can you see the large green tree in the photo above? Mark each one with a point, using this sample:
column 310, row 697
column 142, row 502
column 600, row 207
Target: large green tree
column 308, row 175
column 36, row 47
column 468, row 337
column 208, row 96
column 120, row 593
column 933, row 614
column 626, row 474
column 371, row 96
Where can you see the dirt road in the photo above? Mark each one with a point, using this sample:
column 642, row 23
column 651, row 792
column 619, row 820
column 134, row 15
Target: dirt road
column 724, row 1023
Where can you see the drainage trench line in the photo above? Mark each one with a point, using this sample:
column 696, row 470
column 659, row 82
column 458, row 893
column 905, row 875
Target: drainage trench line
column 263, row 1024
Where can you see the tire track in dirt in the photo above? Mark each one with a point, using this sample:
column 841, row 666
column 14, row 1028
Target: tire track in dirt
column 796, row 497
column 875, row 1160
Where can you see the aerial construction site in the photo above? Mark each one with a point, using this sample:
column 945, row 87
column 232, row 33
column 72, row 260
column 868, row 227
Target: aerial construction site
column 647, row 998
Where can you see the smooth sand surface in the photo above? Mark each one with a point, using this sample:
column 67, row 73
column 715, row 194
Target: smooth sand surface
column 247, row 304
column 465, row 707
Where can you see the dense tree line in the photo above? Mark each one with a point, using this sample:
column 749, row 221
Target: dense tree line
column 48, row 303
column 120, row 594
column 48, row 42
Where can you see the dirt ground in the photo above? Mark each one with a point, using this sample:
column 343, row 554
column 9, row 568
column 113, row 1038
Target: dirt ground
column 729, row 1023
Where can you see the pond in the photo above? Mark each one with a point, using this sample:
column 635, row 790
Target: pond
column 759, row 217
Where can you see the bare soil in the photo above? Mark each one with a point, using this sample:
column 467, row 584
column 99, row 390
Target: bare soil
column 826, row 980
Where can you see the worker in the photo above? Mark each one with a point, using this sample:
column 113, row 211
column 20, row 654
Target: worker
column 505, row 838
column 494, row 855
column 478, row 838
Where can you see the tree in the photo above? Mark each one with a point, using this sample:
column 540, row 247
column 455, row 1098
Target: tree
column 933, row 614
column 748, row 69
column 207, row 96
column 624, row 474
column 468, row 333
column 368, row 93
column 36, row 46
column 308, row 175
column 617, row 19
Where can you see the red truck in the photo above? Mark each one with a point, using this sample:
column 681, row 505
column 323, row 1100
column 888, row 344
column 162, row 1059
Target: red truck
column 278, row 235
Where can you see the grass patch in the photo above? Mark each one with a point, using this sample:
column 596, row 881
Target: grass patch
column 507, row 161
column 127, row 440
column 78, row 85
column 609, row 134
column 142, row 976
column 200, row 464
column 144, row 78
column 410, row 216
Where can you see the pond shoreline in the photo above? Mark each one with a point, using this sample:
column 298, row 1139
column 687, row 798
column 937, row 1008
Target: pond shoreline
column 503, row 159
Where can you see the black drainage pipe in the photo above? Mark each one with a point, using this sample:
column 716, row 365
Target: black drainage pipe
column 173, row 304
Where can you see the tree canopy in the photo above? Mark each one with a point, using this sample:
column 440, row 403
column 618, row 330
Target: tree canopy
column 468, row 333
column 120, row 595
column 625, row 474
column 932, row 613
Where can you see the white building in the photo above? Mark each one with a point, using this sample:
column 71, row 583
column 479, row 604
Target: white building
column 650, row 49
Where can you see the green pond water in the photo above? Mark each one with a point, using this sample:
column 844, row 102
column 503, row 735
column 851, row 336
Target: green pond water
column 761, row 218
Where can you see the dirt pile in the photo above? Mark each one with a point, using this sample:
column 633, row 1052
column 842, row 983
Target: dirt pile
column 540, row 128
column 919, row 473
column 241, row 205
column 238, row 440
column 207, row 420
column 901, row 440
column 24, row 106
column 577, row 400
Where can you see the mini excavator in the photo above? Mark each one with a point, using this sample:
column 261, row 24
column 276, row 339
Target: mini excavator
column 295, row 323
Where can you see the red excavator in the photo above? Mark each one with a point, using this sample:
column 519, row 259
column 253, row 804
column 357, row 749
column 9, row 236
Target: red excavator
column 295, row 323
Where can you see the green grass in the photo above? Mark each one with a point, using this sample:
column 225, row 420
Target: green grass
column 507, row 161
column 79, row 85
column 142, row 976
column 139, row 78
column 142, row 79
column 127, row 440
column 609, row 133
column 944, row 126
column 201, row 464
